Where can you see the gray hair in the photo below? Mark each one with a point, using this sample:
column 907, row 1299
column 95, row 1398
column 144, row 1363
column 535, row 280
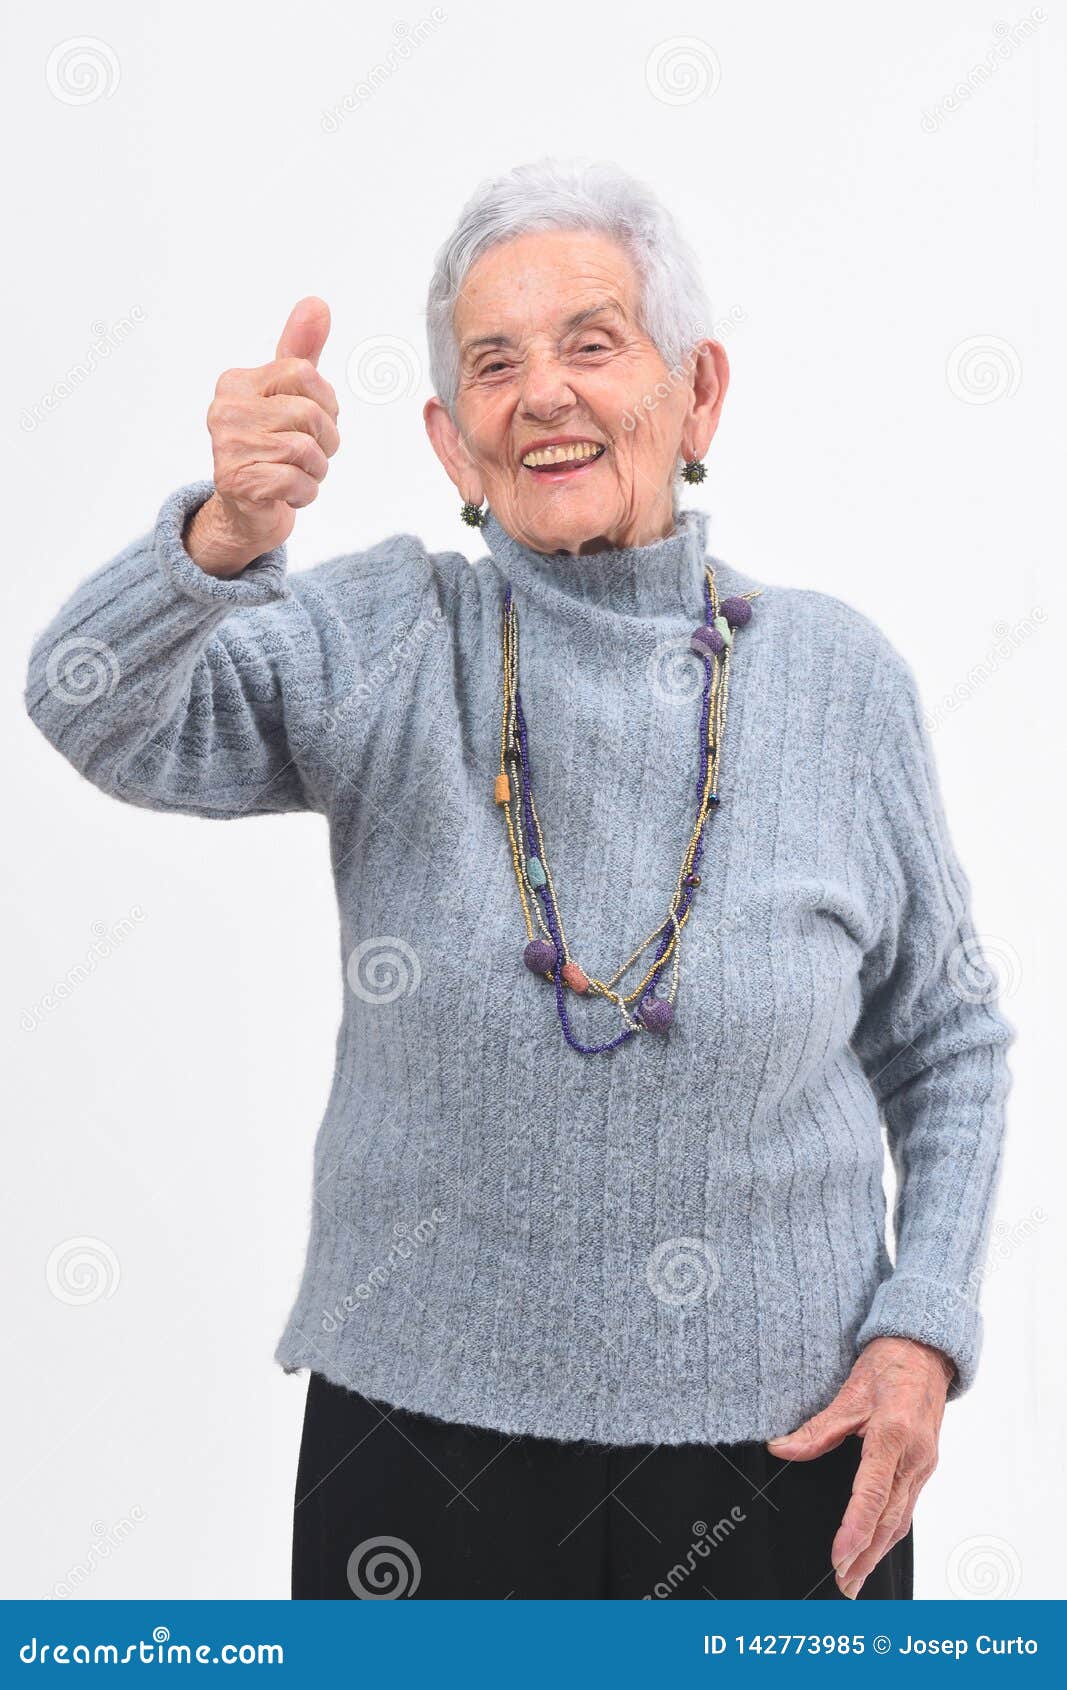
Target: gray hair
column 559, row 194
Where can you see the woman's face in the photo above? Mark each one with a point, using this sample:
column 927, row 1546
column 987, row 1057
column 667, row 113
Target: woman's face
column 551, row 351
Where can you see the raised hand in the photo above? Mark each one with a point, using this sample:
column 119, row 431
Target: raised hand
column 273, row 431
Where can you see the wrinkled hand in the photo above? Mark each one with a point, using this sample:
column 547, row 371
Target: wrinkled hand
column 273, row 430
column 894, row 1399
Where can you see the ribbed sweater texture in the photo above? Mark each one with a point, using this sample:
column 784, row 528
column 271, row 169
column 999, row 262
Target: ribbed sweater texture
column 684, row 1240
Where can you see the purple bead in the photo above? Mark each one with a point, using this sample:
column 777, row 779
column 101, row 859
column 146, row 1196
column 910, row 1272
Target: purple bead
column 540, row 956
column 706, row 642
column 737, row 611
column 656, row 1014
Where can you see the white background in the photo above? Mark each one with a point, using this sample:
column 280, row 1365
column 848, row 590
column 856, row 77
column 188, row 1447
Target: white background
column 857, row 232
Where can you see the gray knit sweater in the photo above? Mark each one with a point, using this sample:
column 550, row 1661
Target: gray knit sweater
column 683, row 1240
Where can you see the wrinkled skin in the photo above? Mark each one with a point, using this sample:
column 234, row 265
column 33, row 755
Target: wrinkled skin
column 273, row 431
column 894, row 1399
column 600, row 380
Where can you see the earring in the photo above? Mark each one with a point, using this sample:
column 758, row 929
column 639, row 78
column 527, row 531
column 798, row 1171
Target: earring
column 473, row 515
column 693, row 471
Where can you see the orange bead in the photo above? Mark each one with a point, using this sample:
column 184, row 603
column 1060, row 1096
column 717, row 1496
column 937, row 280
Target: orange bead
column 574, row 977
column 502, row 790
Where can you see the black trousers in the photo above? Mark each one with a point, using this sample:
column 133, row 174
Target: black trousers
column 393, row 1504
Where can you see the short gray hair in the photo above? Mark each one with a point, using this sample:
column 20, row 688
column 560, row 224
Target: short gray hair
column 562, row 194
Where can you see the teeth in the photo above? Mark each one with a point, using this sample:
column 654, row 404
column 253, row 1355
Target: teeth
column 562, row 454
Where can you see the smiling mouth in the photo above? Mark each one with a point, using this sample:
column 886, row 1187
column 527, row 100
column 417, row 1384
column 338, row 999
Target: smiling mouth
column 559, row 461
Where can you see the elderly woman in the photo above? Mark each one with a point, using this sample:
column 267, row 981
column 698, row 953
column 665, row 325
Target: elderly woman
column 650, row 920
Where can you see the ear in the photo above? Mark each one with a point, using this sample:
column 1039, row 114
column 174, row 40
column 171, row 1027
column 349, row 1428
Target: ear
column 711, row 378
column 447, row 442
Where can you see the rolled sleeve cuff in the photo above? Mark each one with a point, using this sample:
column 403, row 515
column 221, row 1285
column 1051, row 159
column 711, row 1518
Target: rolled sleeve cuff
column 259, row 582
column 910, row 1306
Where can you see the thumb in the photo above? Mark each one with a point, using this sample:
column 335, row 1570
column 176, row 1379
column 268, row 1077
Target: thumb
column 823, row 1432
column 305, row 332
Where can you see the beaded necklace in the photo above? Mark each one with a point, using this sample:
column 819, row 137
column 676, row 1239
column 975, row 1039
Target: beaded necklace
column 549, row 955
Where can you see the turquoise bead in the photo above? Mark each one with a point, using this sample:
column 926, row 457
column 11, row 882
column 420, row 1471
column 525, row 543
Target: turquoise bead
column 535, row 874
column 724, row 628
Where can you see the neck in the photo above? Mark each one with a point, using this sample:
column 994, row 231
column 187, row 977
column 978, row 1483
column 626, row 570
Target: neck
column 664, row 577
column 647, row 530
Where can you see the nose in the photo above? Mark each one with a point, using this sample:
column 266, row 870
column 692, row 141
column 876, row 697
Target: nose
column 545, row 389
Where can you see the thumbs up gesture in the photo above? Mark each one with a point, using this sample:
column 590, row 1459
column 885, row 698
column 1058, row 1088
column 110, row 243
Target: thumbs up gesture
column 273, row 432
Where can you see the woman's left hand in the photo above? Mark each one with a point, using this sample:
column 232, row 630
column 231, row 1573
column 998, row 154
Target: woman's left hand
column 894, row 1399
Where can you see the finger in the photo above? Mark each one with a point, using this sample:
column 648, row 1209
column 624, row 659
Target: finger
column 893, row 1525
column 236, row 420
column 823, row 1432
column 305, row 331
column 289, row 447
column 297, row 376
column 912, row 1474
column 264, row 483
column 294, row 413
column 871, row 1489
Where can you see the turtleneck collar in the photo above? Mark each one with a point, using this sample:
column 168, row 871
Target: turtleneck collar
column 665, row 578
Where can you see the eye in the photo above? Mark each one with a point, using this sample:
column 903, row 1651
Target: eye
column 594, row 346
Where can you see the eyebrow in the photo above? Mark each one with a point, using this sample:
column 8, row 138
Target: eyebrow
column 601, row 308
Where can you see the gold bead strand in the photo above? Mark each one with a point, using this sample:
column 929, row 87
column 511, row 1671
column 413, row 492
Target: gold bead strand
column 506, row 741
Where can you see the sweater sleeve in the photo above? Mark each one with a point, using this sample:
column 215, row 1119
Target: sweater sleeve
column 164, row 685
column 933, row 1044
